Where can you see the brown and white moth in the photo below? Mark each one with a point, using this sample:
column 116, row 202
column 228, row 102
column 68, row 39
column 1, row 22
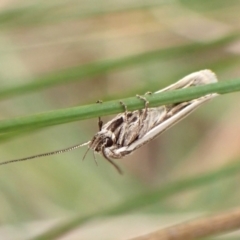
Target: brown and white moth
column 130, row 130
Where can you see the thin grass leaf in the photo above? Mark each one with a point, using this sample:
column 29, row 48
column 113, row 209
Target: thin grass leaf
column 113, row 107
column 45, row 14
column 102, row 67
column 41, row 13
column 146, row 199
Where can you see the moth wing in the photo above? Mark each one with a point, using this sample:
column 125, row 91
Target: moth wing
column 202, row 77
column 194, row 79
column 168, row 123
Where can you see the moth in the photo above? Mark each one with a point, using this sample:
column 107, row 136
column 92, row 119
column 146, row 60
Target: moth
column 130, row 130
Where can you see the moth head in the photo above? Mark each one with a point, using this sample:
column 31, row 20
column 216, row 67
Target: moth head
column 102, row 139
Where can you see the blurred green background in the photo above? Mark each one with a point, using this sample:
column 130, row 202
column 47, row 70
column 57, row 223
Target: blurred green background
column 59, row 54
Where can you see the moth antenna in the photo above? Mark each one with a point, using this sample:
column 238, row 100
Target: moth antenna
column 46, row 154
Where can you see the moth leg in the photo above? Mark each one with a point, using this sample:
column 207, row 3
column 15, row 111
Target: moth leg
column 94, row 156
column 144, row 100
column 85, row 154
column 171, row 110
column 105, row 154
column 125, row 108
column 124, row 126
column 125, row 112
column 100, row 122
column 146, row 104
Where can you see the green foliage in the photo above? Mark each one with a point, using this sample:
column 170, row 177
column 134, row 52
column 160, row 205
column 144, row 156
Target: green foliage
column 119, row 50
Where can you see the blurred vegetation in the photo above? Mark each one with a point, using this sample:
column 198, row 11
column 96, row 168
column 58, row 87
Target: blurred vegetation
column 119, row 49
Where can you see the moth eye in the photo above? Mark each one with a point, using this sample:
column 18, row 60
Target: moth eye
column 109, row 142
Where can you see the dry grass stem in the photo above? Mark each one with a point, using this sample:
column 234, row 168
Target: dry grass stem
column 199, row 228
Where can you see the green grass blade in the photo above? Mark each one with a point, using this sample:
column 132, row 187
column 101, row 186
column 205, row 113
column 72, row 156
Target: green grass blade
column 55, row 12
column 147, row 199
column 102, row 67
column 113, row 107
